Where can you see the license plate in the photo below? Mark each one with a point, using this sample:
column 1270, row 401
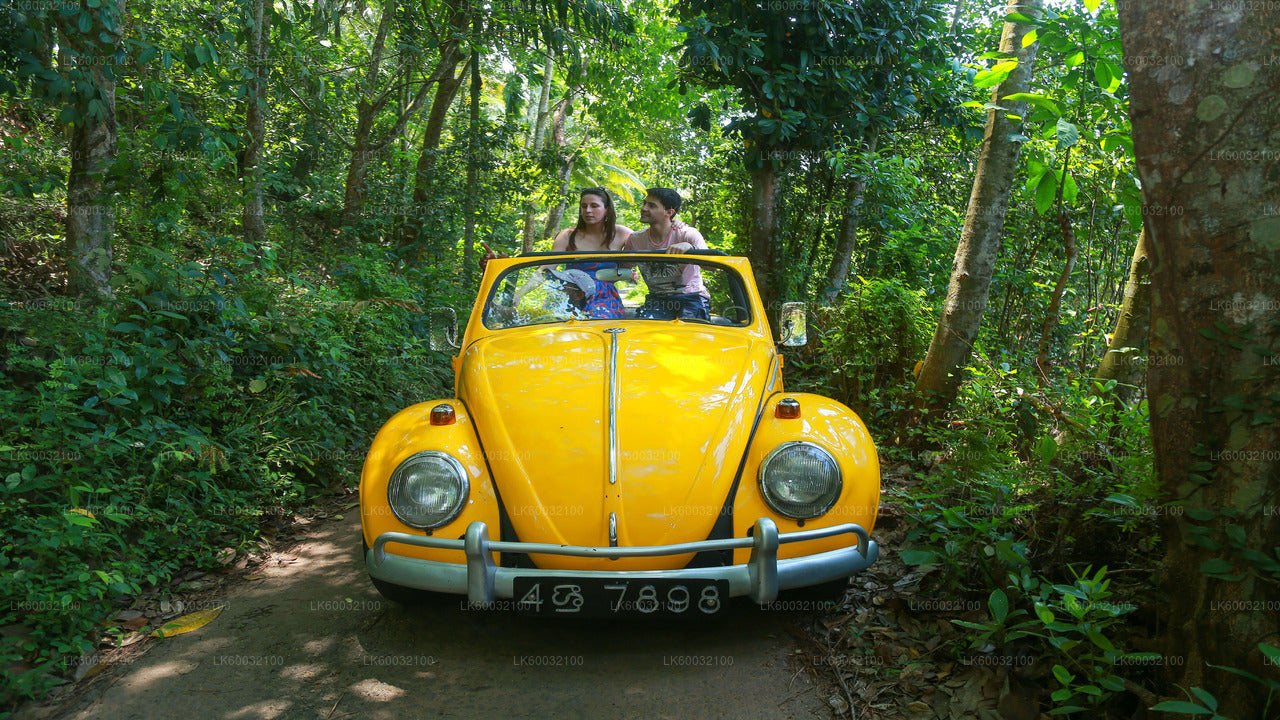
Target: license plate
column 635, row 597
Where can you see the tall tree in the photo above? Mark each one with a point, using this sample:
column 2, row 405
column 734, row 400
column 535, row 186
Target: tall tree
column 567, row 160
column 451, row 72
column 1128, row 345
column 806, row 79
column 255, row 121
column 537, row 138
column 91, row 40
column 473, row 170
column 842, row 255
column 975, row 260
column 1054, row 312
column 1205, row 116
column 374, row 97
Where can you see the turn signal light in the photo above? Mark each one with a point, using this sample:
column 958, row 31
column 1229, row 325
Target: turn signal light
column 787, row 409
column 442, row 414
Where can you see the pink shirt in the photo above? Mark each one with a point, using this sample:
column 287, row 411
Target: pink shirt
column 660, row 283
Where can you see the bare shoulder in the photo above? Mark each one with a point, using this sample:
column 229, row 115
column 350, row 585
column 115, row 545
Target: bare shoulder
column 562, row 240
column 621, row 237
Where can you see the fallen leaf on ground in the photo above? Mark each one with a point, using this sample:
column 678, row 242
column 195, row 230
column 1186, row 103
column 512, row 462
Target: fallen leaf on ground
column 187, row 623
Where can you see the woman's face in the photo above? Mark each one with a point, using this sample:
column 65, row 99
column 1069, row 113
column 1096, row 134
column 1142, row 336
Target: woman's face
column 591, row 209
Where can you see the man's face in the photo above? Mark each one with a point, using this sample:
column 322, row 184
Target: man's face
column 591, row 209
column 653, row 211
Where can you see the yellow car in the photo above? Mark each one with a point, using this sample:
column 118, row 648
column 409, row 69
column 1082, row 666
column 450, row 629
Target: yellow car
column 613, row 449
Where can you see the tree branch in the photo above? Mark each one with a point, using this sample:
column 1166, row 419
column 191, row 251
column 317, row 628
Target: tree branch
column 320, row 117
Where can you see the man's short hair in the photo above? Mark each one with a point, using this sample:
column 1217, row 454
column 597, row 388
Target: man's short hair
column 669, row 198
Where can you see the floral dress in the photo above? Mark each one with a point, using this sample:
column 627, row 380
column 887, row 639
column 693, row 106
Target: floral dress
column 607, row 304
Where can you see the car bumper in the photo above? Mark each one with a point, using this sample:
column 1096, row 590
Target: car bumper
column 760, row 578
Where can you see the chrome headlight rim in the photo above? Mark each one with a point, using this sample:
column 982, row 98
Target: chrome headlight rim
column 829, row 500
column 398, row 478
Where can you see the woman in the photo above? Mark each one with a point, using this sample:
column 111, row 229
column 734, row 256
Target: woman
column 597, row 229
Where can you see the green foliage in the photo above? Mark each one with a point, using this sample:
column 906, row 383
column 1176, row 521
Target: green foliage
column 871, row 341
column 801, row 84
column 1202, row 702
column 144, row 436
column 1008, row 512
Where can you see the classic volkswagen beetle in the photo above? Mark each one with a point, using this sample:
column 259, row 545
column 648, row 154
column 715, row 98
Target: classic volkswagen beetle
column 610, row 462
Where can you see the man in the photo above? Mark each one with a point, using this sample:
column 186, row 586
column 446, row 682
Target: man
column 675, row 289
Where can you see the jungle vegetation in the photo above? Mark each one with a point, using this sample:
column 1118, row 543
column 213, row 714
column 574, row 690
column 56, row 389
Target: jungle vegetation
column 1039, row 244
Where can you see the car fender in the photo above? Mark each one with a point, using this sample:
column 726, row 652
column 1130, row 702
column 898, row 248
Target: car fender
column 410, row 431
column 842, row 433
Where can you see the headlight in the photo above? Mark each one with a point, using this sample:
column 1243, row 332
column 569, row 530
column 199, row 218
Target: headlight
column 800, row 480
column 428, row 489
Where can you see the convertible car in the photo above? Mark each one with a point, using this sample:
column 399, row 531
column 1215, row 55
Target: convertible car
column 616, row 458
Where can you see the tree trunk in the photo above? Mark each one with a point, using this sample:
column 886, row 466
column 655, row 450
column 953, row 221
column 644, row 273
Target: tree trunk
column 567, row 161
column 955, row 16
column 353, row 193
column 538, row 131
column 446, row 91
column 473, row 173
column 366, row 113
column 842, row 258
column 1054, row 312
column 451, row 56
column 364, row 148
column 255, row 230
column 424, row 171
column 838, row 271
column 762, row 227
column 975, row 259
column 1204, row 129
column 536, row 144
column 90, row 214
column 1128, row 346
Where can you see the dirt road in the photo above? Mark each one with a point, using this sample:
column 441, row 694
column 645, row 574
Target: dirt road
column 312, row 639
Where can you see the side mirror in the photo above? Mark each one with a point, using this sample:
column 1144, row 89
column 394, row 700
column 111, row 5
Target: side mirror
column 443, row 332
column 794, row 328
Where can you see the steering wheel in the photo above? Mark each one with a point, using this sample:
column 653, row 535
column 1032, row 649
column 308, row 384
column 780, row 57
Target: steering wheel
column 732, row 313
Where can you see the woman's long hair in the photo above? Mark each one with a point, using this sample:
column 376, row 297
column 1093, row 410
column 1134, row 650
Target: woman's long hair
column 610, row 217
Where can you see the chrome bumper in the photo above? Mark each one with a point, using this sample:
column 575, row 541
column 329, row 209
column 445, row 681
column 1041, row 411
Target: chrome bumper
column 760, row 578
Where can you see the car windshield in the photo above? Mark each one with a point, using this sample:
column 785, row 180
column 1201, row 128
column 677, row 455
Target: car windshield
column 658, row 288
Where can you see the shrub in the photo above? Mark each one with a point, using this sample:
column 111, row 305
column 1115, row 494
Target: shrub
column 144, row 435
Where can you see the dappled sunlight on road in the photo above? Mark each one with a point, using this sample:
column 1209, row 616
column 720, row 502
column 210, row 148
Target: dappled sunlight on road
column 312, row 638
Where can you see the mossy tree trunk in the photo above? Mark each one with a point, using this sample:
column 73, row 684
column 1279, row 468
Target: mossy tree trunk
column 763, row 198
column 255, row 122
column 1205, row 122
column 975, row 261
column 90, row 221
column 842, row 258
column 536, row 140
column 1127, row 351
column 473, row 172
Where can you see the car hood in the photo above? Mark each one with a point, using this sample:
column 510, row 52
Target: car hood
column 687, row 395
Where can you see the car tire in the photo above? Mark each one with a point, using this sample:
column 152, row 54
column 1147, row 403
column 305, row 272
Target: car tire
column 399, row 594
